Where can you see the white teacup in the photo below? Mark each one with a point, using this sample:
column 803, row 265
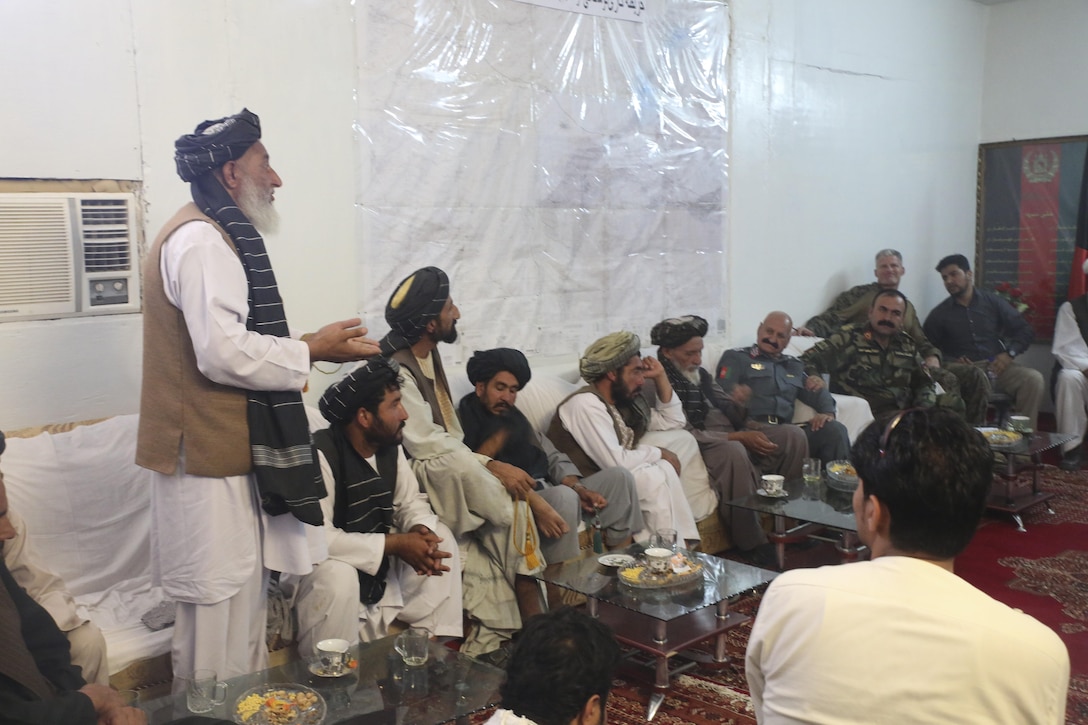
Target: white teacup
column 333, row 655
column 657, row 559
column 772, row 483
column 1019, row 423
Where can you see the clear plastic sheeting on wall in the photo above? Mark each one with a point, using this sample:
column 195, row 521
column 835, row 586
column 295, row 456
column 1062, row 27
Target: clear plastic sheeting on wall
column 568, row 171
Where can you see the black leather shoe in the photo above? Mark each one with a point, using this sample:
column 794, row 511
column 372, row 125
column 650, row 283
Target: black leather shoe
column 1071, row 460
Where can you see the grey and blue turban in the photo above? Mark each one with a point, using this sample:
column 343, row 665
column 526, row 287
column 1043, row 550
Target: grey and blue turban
column 486, row 364
column 216, row 142
column 419, row 298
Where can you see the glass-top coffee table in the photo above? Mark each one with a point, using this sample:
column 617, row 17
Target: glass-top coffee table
column 382, row 689
column 816, row 507
column 1007, row 496
column 663, row 622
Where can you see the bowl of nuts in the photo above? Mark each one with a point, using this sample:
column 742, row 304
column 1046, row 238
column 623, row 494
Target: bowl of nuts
column 280, row 705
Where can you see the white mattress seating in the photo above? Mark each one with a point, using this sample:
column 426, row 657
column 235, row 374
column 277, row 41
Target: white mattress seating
column 87, row 509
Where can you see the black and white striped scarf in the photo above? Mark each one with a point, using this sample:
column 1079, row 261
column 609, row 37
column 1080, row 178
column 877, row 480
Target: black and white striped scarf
column 288, row 478
column 691, row 395
column 364, row 497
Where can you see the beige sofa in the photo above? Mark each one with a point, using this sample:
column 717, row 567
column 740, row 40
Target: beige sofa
column 87, row 507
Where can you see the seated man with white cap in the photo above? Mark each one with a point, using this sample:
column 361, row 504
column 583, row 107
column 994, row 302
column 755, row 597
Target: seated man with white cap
column 389, row 555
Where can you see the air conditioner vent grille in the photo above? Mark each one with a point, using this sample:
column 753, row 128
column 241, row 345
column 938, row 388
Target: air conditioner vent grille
column 106, row 245
column 35, row 253
column 68, row 254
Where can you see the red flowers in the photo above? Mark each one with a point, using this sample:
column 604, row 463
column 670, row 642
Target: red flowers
column 1013, row 295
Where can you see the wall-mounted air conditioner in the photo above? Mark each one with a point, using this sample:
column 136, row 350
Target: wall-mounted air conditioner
column 68, row 255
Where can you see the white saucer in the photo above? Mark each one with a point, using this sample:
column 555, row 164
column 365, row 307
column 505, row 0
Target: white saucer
column 781, row 494
column 617, row 560
column 317, row 669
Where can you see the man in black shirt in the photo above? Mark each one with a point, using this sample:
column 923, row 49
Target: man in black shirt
column 976, row 327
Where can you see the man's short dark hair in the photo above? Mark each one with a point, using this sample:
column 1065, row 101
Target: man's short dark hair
column 560, row 660
column 372, row 399
column 933, row 475
column 957, row 259
column 888, row 293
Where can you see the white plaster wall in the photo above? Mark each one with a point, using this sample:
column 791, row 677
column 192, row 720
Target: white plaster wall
column 103, row 88
column 855, row 127
column 1035, row 85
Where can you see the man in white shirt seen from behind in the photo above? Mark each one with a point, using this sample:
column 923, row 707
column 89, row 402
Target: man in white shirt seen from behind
column 901, row 638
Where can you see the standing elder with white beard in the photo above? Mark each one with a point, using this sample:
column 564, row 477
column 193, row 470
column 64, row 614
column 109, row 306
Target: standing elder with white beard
column 222, row 424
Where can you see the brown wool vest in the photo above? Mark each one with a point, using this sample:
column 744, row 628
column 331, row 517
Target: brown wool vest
column 566, row 443
column 177, row 403
column 426, row 388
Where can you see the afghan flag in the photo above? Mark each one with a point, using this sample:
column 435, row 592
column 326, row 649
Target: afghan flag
column 1078, row 281
column 1031, row 241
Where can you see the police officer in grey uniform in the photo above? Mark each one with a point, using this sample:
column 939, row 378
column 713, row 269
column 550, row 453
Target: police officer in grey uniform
column 771, row 382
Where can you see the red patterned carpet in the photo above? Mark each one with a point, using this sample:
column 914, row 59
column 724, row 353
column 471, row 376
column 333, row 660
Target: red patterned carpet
column 1043, row 572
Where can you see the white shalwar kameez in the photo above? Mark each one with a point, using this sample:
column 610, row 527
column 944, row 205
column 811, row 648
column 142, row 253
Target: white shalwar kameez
column 1071, row 389
column 660, row 493
column 327, row 601
column 212, row 545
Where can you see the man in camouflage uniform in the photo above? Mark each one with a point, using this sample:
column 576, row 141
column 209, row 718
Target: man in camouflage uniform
column 852, row 307
column 876, row 361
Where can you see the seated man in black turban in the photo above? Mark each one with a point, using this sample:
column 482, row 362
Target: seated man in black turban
column 389, row 555
column 222, row 424
column 496, row 428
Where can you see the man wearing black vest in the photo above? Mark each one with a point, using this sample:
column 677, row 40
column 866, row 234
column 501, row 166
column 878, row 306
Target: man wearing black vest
column 1070, row 377
column 389, row 556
